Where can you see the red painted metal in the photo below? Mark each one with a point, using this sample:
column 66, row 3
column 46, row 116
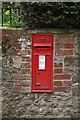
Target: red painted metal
column 42, row 62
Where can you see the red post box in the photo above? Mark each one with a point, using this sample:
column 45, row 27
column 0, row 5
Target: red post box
column 42, row 62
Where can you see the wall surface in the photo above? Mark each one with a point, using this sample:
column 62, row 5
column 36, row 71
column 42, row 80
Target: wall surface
column 0, row 74
column 18, row 100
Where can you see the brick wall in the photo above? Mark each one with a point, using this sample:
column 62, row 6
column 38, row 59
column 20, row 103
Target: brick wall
column 64, row 49
column 16, row 54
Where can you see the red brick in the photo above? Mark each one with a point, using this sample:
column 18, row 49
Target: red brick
column 58, row 45
column 68, row 45
column 3, row 32
column 0, row 38
column 62, row 77
column 15, row 38
column 58, row 65
column 25, row 65
column 0, row 32
column 57, row 71
column 25, row 71
column 26, row 59
column 19, row 77
column 7, row 31
column 61, row 89
column 16, row 51
column 66, row 83
column 61, row 38
column 57, row 83
column 64, row 52
column 26, row 52
column 23, row 77
column 28, row 77
column 25, row 83
column 7, row 38
column 17, row 45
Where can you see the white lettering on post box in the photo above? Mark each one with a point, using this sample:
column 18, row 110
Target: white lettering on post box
column 41, row 62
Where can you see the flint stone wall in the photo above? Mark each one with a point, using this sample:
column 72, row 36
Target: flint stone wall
column 18, row 100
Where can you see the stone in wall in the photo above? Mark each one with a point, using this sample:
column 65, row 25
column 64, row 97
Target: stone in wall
column 16, row 61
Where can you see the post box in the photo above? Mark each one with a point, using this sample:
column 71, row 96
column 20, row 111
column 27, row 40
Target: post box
column 42, row 62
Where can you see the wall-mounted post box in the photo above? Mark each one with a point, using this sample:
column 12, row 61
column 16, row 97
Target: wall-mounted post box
column 42, row 62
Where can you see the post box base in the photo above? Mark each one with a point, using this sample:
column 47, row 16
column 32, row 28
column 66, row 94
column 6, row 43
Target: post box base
column 42, row 91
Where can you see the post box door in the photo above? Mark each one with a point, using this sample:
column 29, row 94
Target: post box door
column 42, row 67
column 42, row 72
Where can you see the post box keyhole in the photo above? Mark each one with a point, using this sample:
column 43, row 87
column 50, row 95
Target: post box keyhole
column 38, row 73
